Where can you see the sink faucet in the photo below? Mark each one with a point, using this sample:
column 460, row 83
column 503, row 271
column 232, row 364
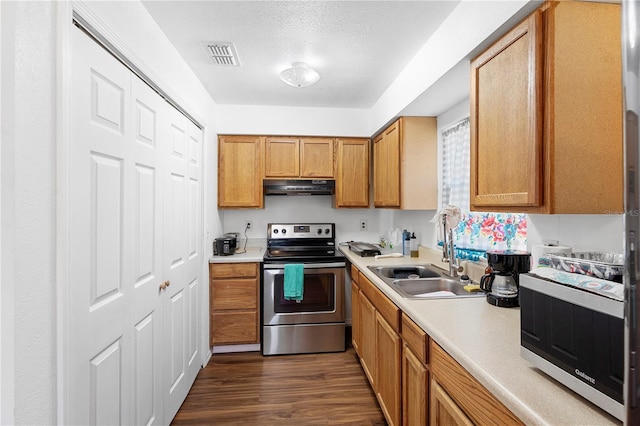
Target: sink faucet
column 448, row 249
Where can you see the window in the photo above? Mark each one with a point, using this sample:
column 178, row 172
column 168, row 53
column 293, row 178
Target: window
column 477, row 232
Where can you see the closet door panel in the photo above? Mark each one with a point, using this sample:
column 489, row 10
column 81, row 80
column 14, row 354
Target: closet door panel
column 146, row 241
column 134, row 238
column 97, row 362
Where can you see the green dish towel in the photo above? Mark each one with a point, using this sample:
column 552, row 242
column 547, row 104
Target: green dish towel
column 294, row 281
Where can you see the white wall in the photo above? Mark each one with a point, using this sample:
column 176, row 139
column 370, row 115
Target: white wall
column 28, row 189
column 580, row 232
column 275, row 120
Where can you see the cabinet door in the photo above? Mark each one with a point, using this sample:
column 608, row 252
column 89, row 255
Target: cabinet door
column 352, row 173
column 316, row 157
column 444, row 411
column 356, row 320
column 368, row 339
column 386, row 167
column 240, row 171
column 388, row 370
column 282, row 157
column 473, row 398
column 415, row 382
column 506, row 120
column 234, row 327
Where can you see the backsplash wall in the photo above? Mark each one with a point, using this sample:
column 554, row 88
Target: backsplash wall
column 581, row 232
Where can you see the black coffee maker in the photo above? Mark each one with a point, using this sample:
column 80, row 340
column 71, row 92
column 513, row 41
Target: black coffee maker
column 501, row 280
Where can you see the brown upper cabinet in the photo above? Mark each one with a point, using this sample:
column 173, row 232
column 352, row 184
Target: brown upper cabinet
column 546, row 115
column 352, row 173
column 293, row 157
column 405, row 165
column 240, row 171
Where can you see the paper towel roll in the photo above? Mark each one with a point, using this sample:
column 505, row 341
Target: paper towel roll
column 541, row 249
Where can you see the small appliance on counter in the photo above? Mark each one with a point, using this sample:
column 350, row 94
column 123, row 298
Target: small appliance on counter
column 225, row 245
column 363, row 249
column 501, row 282
column 575, row 335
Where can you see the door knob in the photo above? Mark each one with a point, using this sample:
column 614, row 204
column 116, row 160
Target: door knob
column 165, row 284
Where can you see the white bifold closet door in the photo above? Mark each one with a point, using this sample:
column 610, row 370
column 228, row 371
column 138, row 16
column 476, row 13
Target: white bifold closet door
column 134, row 247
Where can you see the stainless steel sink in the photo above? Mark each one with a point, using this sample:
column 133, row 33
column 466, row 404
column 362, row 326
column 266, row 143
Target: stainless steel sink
column 431, row 288
column 405, row 271
column 422, row 282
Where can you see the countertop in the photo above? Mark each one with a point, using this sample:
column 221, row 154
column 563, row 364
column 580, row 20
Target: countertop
column 254, row 253
column 485, row 340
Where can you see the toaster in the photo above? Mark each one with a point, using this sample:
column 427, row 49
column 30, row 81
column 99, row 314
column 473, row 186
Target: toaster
column 225, row 245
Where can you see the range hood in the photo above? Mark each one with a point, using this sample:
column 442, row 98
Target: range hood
column 299, row 187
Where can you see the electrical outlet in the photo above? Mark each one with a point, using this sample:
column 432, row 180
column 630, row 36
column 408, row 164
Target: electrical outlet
column 363, row 224
column 248, row 225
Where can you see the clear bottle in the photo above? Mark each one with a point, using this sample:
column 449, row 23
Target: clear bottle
column 413, row 243
column 406, row 248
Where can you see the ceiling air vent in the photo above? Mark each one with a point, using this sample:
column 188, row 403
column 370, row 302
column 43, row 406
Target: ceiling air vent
column 222, row 53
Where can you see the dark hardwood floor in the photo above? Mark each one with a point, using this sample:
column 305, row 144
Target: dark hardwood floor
column 310, row 389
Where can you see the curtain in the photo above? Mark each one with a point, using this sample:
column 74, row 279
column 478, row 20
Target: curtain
column 456, row 168
column 477, row 232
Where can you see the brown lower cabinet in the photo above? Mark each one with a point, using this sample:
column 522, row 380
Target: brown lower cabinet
column 415, row 381
column 381, row 348
column 457, row 395
column 234, row 303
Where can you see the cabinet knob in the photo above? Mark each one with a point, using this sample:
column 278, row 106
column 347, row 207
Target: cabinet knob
column 165, row 284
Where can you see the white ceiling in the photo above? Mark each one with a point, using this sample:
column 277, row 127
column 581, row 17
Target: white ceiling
column 358, row 47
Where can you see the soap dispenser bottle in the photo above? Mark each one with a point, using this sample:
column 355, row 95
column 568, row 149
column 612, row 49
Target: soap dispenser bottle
column 406, row 247
column 414, row 245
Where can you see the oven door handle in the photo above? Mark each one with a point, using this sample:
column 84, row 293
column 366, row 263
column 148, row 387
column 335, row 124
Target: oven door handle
column 307, row 265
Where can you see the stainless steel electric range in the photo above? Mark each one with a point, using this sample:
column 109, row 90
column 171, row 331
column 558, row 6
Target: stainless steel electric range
column 316, row 323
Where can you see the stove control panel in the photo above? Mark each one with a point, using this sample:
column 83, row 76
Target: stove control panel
column 301, row 230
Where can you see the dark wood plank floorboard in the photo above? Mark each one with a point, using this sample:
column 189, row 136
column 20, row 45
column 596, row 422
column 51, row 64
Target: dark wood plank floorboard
column 310, row 389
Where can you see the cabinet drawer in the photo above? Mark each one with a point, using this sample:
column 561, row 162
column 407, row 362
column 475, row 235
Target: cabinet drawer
column 233, row 270
column 416, row 339
column 354, row 275
column 473, row 398
column 234, row 294
column 234, row 328
column 389, row 311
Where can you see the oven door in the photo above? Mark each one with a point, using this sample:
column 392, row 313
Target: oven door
column 323, row 300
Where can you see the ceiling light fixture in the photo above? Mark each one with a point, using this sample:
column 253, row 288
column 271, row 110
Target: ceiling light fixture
column 300, row 75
